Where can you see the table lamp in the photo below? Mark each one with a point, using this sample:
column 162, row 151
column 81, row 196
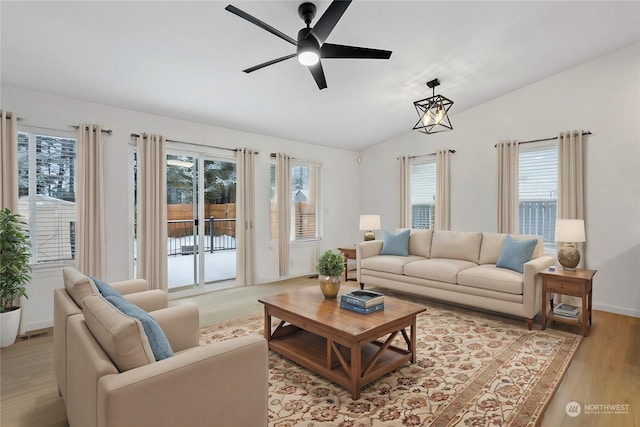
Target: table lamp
column 568, row 232
column 369, row 223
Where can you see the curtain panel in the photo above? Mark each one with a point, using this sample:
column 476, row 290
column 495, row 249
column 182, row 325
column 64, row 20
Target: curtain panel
column 507, row 187
column 152, row 211
column 283, row 203
column 90, row 236
column 8, row 161
column 571, row 180
column 245, row 212
column 405, row 191
column 443, row 190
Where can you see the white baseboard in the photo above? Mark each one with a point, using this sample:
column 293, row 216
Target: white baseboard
column 617, row 310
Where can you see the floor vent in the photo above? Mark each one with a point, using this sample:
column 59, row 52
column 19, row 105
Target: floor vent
column 35, row 334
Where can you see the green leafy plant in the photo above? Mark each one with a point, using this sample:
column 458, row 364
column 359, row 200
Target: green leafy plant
column 331, row 263
column 15, row 250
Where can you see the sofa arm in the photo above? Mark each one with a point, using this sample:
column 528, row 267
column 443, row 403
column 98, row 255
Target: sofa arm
column 225, row 383
column 181, row 325
column 152, row 300
column 130, row 286
column 532, row 286
column 368, row 249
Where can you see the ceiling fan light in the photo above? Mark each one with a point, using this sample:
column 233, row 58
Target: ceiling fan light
column 308, row 58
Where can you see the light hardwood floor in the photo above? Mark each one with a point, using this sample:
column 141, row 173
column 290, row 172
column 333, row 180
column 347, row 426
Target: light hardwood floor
column 604, row 371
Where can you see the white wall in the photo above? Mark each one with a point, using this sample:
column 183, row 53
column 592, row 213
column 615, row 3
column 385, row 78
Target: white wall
column 339, row 184
column 602, row 96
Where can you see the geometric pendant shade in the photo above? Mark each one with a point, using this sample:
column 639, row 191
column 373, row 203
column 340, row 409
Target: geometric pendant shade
column 433, row 112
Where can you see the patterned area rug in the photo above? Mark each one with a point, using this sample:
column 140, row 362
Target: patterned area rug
column 473, row 370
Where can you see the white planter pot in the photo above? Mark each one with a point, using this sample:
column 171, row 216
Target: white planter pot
column 9, row 324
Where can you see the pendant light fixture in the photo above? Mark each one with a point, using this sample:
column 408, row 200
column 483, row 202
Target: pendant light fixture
column 433, row 112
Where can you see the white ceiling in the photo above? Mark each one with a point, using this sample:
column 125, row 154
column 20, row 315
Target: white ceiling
column 185, row 59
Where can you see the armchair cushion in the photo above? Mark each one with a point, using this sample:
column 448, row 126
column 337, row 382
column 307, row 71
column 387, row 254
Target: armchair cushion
column 157, row 339
column 78, row 285
column 120, row 336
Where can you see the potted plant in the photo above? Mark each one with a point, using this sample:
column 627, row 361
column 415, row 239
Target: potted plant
column 15, row 272
column 330, row 267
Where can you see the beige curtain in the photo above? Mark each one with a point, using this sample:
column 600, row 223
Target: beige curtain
column 8, row 161
column 245, row 216
column 283, row 199
column 443, row 191
column 571, row 180
column 405, row 191
column 507, row 187
column 90, row 237
column 152, row 211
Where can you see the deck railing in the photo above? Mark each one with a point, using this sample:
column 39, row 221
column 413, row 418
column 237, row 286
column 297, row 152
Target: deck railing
column 219, row 235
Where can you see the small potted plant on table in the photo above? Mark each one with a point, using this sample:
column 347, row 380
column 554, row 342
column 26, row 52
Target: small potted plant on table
column 330, row 267
column 15, row 272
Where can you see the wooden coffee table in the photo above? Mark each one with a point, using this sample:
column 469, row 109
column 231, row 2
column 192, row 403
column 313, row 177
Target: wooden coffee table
column 343, row 346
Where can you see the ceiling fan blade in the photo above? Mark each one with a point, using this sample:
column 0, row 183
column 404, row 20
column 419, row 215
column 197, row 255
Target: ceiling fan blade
column 266, row 64
column 329, row 19
column 329, row 50
column 259, row 23
column 318, row 75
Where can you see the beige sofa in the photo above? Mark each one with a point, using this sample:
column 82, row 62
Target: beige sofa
column 67, row 302
column 458, row 267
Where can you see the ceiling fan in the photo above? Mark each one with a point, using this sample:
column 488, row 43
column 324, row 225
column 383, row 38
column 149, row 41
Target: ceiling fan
column 311, row 46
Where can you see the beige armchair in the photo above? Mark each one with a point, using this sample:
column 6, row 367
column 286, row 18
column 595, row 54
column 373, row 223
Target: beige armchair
column 67, row 302
column 220, row 384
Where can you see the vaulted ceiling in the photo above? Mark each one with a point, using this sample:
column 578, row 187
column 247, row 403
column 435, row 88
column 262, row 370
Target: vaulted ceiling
column 185, row 59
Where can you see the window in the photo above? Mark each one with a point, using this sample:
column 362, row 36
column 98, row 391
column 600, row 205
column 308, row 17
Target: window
column 304, row 201
column 46, row 181
column 538, row 190
column 423, row 192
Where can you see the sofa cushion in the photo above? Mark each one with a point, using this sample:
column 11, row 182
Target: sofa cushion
column 388, row 263
column 490, row 277
column 77, row 285
column 106, row 290
column 515, row 253
column 120, row 336
column 157, row 339
column 420, row 242
column 396, row 243
column 461, row 245
column 442, row 270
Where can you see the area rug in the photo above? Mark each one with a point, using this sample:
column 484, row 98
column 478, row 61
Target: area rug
column 473, row 369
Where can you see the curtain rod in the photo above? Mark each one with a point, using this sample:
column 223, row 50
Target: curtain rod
column 588, row 132
column 425, row 155
column 107, row 131
column 136, row 135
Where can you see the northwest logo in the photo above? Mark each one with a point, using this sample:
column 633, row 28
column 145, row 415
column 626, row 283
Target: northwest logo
column 573, row 409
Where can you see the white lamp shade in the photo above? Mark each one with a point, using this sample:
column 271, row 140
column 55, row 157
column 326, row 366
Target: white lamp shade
column 369, row 222
column 570, row 230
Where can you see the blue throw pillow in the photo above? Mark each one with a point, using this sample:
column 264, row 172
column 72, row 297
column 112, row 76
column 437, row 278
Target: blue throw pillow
column 396, row 243
column 157, row 339
column 106, row 290
column 515, row 253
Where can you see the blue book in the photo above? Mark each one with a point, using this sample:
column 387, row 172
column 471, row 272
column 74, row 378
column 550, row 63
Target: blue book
column 361, row 310
column 362, row 298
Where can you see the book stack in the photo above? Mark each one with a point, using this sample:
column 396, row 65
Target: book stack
column 363, row 302
column 566, row 310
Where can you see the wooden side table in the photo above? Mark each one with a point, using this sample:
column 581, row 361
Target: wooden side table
column 577, row 283
column 349, row 253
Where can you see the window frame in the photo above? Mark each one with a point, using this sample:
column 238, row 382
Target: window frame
column 428, row 162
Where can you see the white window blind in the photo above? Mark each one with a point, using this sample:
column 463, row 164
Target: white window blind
column 47, row 173
column 538, row 190
column 423, row 192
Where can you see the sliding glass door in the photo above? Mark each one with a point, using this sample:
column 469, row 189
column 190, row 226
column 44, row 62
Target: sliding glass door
column 201, row 217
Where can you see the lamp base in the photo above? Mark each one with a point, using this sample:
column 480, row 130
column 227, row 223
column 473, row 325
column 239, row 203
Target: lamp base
column 569, row 257
column 369, row 236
